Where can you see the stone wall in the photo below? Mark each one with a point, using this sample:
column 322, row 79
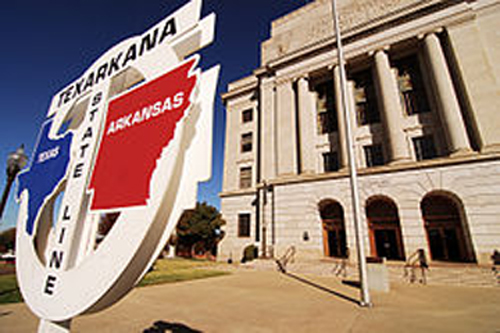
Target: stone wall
column 475, row 184
column 231, row 246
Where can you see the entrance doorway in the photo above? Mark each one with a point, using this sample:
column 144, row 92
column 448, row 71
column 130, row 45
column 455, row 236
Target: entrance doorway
column 334, row 236
column 446, row 231
column 385, row 231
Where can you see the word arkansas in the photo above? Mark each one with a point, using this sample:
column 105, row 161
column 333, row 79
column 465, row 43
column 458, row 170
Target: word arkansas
column 146, row 113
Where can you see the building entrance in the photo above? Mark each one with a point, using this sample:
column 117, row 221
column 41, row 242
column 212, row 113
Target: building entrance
column 386, row 242
column 385, row 231
column 336, row 241
column 334, row 236
column 445, row 229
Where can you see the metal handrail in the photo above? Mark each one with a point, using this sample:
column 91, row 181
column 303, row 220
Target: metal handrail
column 416, row 261
column 289, row 256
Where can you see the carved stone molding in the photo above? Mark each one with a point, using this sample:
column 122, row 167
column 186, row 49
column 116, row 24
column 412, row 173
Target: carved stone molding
column 315, row 24
column 284, row 80
column 267, row 84
column 358, row 12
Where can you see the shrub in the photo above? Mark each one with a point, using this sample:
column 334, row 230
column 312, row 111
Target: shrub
column 250, row 253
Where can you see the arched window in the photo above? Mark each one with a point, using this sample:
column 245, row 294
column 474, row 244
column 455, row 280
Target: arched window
column 334, row 237
column 447, row 233
column 385, row 231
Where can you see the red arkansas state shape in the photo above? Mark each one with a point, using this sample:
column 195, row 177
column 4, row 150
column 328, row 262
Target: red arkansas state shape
column 139, row 125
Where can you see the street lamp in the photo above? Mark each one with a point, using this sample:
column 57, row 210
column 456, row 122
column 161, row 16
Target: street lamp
column 15, row 162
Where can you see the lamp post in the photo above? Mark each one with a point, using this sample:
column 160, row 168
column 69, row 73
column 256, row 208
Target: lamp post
column 15, row 162
column 365, row 295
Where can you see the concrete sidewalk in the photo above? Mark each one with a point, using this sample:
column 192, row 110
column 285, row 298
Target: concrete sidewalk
column 253, row 301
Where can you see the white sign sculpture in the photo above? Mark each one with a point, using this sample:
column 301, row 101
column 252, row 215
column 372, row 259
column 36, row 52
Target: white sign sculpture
column 129, row 139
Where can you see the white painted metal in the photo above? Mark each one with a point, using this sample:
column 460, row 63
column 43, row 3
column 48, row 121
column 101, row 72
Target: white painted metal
column 365, row 294
column 91, row 280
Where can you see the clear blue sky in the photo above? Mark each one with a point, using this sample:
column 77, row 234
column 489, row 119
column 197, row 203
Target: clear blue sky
column 48, row 44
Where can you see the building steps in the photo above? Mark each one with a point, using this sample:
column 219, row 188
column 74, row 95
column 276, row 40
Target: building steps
column 470, row 275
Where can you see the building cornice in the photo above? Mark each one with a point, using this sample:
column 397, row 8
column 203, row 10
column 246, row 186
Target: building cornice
column 471, row 158
column 237, row 193
column 356, row 17
column 389, row 29
column 242, row 86
column 362, row 39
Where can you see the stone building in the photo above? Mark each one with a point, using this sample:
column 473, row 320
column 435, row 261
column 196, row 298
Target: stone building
column 424, row 90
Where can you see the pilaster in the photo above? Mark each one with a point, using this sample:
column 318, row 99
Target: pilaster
column 268, row 128
column 286, row 128
column 306, row 125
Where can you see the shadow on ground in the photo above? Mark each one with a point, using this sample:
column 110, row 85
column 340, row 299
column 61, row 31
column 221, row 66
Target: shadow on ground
column 322, row 288
column 351, row 283
column 164, row 327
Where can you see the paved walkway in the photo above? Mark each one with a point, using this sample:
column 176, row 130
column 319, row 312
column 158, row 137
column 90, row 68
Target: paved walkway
column 263, row 301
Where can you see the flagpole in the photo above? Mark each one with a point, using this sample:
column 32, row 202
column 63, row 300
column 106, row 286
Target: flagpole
column 365, row 295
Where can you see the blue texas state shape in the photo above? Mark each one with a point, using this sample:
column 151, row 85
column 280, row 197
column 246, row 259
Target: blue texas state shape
column 46, row 171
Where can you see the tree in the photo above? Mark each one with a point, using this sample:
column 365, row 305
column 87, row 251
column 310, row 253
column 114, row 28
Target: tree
column 8, row 240
column 199, row 230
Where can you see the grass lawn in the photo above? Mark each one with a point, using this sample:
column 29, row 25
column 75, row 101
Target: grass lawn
column 177, row 270
column 164, row 271
column 9, row 293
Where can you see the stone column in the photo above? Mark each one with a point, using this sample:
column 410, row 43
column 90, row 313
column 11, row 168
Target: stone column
column 449, row 108
column 354, row 121
column 268, row 142
column 392, row 111
column 342, row 142
column 306, row 125
column 286, row 129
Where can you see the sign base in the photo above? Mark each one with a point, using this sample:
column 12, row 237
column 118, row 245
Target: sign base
column 47, row 326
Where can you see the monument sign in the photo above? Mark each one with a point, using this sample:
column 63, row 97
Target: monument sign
column 130, row 138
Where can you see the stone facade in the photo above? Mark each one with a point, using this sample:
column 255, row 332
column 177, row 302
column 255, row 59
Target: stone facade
column 423, row 90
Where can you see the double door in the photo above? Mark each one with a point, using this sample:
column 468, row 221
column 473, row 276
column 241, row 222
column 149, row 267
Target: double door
column 335, row 239
column 445, row 241
column 386, row 240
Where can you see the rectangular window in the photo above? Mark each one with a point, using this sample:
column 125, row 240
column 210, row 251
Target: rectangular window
column 330, row 162
column 424, row 147
column 325, row 106
column 411, row 87
column 246, row 142
column 327, row 122
column 246, row 177
column 247, row 115
column 365, row 98
column 243, row 225
column 374, row 155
